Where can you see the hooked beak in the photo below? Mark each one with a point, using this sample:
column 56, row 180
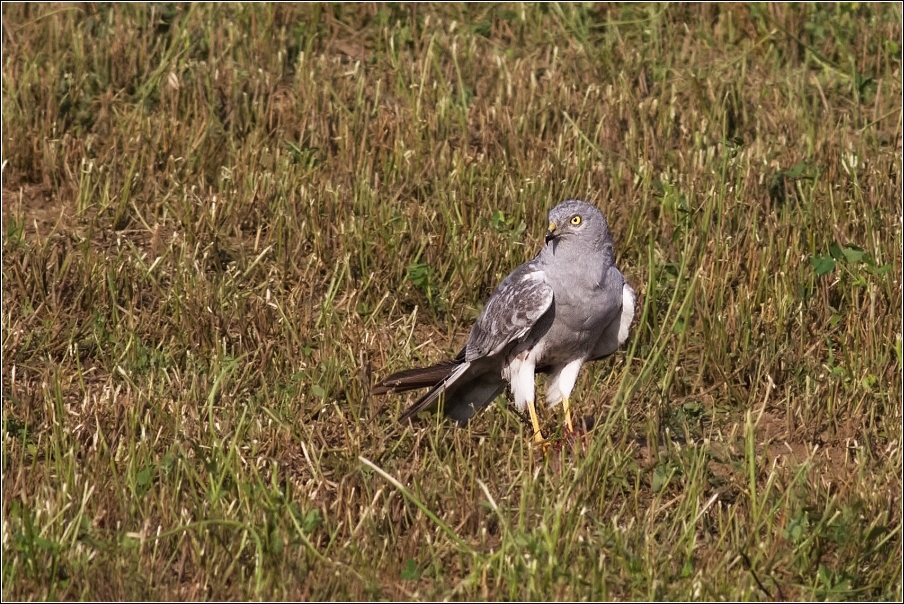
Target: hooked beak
column 550, row 232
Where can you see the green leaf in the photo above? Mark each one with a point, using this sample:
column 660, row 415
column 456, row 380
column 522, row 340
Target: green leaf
column 868, row 381
column 144, row 479
column 410, row 572
column 47, row 545
column 797, row 529
column 661, row 476
column 879, row 270
column 822, row 264
column 276, row 543
column 420, row 274
column 144, row 476
column 311, row 520
column 672, row 268
column 693, row 409
column 853, row 254
column 498, row 221
column 835, row 251
column 796, row 171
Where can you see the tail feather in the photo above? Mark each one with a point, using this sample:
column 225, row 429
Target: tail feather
column 431, row 398
column 414, row 379
column 461, row 387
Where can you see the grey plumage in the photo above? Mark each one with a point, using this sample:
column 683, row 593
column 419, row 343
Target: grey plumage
column 567, row 306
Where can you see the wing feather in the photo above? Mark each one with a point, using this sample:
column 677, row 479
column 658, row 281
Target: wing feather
column 510, row 313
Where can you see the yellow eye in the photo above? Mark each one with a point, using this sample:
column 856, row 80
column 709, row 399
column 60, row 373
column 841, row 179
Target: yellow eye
column 575, row 220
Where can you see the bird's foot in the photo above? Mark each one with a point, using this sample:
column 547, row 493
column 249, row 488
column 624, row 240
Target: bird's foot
column 540, row 442
column 572, row 438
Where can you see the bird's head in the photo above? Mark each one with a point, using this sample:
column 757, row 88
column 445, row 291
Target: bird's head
column 577, row 222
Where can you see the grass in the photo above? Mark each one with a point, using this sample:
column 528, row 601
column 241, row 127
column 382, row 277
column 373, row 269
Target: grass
column 222, row 223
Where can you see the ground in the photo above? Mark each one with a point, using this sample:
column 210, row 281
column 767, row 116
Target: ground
column 221, row 224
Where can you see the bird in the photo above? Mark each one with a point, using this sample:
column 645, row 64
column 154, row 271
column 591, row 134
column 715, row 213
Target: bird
column 567, row 306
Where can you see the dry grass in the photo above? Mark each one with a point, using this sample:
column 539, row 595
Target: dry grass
column 220, row 223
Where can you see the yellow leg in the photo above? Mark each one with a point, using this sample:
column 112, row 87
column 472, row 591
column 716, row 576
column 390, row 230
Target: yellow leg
column 568, row 425
column 535, row 420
